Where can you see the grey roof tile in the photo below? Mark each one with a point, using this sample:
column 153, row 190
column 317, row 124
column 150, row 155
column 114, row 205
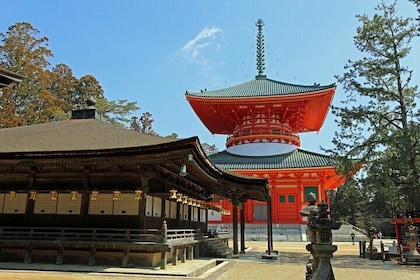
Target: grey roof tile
column 261, row 87
column 297, row 159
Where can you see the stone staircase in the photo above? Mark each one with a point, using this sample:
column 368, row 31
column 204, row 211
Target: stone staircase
column 293, row 232
column 215, row 247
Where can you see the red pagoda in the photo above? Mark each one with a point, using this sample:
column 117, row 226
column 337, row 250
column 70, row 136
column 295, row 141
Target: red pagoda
column 262, row 119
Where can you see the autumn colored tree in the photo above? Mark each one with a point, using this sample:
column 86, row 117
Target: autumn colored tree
column 46, row 94
column 24, row 51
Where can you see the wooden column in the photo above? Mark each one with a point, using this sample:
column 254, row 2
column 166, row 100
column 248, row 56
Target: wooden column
column 174, row 255
column 92, row 255
column 184, row 254
column 29, row 210
column 60, row 254
column 84, row 208
column 269, row 225
column 28, row 254
column 145, row 177
column 242, row 212
column 163, row 259
column 126, row 257
column 235, row 227
column 190, row 255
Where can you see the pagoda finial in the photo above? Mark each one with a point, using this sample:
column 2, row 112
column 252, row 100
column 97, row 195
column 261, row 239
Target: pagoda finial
column 260, row 49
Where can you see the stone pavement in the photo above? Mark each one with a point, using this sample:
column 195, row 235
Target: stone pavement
column 290, row 264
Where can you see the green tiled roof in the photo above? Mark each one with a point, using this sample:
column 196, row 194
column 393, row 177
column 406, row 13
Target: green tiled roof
column 297, row 159
column 260, row 86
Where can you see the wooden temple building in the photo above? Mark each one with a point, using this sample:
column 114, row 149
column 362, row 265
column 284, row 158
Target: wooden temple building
column 262, row 119
column 8, row 77
column 85, row 190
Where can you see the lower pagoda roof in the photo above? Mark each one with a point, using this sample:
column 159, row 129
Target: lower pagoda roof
column 298, row 158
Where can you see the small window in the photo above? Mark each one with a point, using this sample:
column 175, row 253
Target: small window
column 282, row 198
column 311, row 190
column 291, row 198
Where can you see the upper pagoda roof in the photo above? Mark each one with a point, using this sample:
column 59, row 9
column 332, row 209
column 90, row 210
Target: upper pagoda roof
column 261, row 87
column 303, row 107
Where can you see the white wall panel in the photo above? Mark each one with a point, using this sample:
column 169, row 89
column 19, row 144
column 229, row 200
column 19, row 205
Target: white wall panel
column 15, row 206
column 167, row 209
column 185, row 212
column 195, row 214
column 149, row 206
column 203, row 215
column 126, row 205
column 173, row 210
column 44, row 204
column 67, row 206
column 157, row 207
column 102, row 205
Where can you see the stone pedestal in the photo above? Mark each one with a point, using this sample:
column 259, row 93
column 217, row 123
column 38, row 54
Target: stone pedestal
column 411, row 233
column 323, row 254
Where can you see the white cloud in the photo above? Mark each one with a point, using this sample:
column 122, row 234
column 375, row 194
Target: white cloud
column 206, row 38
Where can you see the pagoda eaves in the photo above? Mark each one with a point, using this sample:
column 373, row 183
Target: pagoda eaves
column 302, row 107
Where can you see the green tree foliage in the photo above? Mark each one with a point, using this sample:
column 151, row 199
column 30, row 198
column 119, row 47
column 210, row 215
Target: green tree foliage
column 143, row 124
column 209, row 149
column 45, row 93
column 348, row 204
column 379, row 120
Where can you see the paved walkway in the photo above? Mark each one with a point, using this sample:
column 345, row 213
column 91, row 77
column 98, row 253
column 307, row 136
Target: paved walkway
column 290, row 265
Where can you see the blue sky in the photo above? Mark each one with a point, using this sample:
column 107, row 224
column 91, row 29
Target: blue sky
column 153, row 51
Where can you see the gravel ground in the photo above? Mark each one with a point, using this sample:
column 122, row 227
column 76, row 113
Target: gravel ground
column 289, row 265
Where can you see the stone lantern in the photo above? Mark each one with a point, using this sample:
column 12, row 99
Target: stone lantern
column 321, row 248
column 411, row 235
column 371, row 231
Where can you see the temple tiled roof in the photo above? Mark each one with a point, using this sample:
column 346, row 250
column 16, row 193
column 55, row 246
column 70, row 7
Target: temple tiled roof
column 297, row 159
column 73, row 135
column 259, row 87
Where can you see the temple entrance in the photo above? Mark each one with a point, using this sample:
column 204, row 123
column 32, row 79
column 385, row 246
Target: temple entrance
column 287, row 210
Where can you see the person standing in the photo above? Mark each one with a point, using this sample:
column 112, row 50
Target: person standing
column 352, row 235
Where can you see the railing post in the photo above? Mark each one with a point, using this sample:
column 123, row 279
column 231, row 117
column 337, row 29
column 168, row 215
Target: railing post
column 165, row 232
column 92, row 255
